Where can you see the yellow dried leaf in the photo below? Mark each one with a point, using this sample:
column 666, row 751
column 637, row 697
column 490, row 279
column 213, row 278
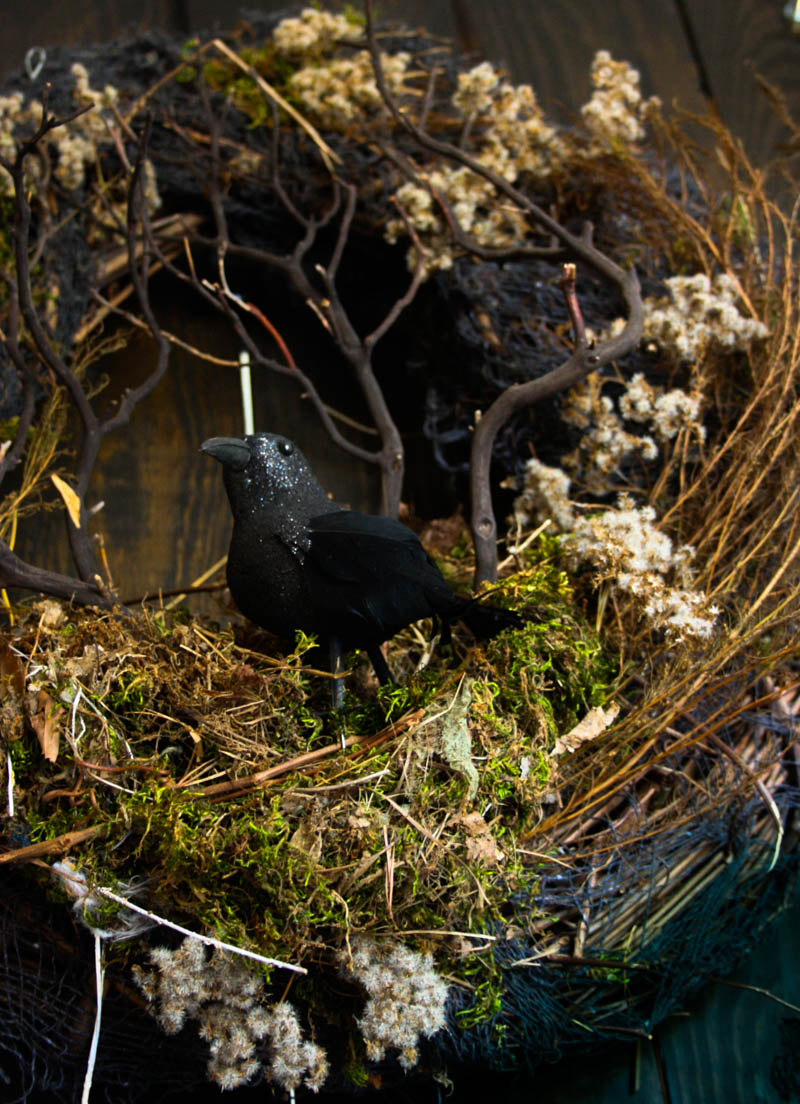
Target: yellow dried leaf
column 71, row 500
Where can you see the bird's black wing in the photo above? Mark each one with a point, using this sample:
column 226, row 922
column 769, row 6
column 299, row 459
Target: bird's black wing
column 369, row 577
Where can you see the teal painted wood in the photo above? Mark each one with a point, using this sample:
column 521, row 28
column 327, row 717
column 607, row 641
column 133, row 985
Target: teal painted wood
column 723, row 1048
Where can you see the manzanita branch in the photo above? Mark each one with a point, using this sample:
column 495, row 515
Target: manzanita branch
column 324, row 300
column 14, row 571
column 520, row 395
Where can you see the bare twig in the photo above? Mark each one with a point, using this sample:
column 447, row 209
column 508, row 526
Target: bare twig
column 518, row 396
column 240, row 785
column 86, row 589
column 208, row 940
column 326, row 303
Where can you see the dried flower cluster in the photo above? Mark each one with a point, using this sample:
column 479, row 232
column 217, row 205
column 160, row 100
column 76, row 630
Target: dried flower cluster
column 343, row 89
column 625, row 547
column 544, row 495
column 666, row 411
column 511, row 137
column 606, row 442
column 406, row 998
column 226, row 1001
column 697, row 313
column 616, row 112
column 313, row 32
column 11, row 113
column 75, row 145
column 334, row 90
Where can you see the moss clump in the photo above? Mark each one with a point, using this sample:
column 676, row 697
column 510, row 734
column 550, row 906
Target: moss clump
column 216, row 771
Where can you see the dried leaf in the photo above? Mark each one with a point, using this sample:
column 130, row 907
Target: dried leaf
column 71, row 500
column 483, row 851
column 45, row 716
column 13, row 670
column 593, row 725
column 480, row 843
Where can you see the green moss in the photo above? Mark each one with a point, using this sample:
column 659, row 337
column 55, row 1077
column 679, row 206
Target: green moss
column 486, row 981
column 228, row 79
column 543, row 677
column 396, row 837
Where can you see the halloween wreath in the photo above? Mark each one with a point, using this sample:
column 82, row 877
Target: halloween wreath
column 517, row 848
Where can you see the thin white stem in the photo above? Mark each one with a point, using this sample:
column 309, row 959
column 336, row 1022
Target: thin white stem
column 10, row 774
column 247, row 392
column 207, row 939
column 99, row 971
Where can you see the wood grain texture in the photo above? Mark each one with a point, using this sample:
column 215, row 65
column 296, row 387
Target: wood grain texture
column 551, row 45
column 723, row 1051
column 737, row 39
column 51, row 23
column 435, row 15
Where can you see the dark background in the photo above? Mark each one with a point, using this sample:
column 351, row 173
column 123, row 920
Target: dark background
column 165, row 520
column 700, row 54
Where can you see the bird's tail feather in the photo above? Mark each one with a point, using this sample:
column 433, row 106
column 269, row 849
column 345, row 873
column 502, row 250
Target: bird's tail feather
column 487, row 621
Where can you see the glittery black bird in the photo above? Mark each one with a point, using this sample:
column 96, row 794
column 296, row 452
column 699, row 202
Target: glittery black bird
column 299, row 561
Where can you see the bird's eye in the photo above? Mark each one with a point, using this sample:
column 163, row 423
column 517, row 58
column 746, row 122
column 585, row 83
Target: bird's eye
column 286, row 447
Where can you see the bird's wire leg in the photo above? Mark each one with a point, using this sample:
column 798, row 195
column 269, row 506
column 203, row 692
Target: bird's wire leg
column 337, row 682
column 379, row 664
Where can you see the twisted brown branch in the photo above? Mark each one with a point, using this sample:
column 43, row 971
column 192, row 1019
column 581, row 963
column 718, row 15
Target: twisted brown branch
column 86, row 589
column 518, row 396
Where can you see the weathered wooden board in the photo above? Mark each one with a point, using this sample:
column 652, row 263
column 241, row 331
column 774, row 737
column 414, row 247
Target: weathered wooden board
column 53, row 23
column 737, row 40
column 551, row 47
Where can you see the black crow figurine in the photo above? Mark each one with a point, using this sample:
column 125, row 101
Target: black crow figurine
column 299, row 561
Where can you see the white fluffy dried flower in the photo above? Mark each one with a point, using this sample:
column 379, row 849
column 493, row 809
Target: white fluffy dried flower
column 665, row 411
column 626, row 548
column 293, row 1060
column 226, row 1002
column 698, row 312
column 544, row 495
column 312, row 32
column 605, row 442
column 616, row 110
column 512, row 138
column 341, row 90
column 472, row 95
column 406, row 998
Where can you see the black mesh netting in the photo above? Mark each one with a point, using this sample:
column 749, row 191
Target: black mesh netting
column 47, row 1012
column 47, row 995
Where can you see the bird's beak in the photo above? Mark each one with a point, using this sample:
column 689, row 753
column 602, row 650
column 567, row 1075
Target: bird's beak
column 230, row 451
